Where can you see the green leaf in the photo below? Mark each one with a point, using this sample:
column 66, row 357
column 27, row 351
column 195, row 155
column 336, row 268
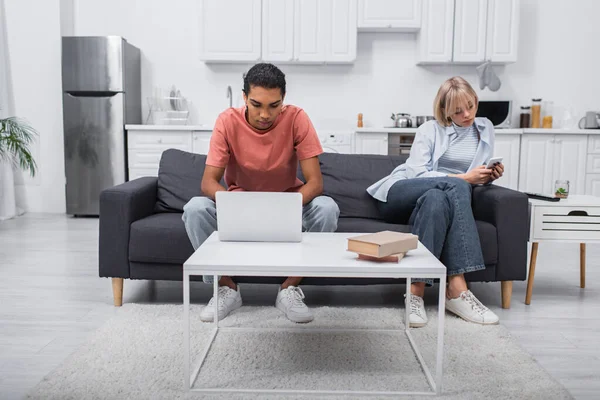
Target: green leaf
column 15, row 137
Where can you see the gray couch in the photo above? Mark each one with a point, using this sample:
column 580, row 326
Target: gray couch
column 142, row 235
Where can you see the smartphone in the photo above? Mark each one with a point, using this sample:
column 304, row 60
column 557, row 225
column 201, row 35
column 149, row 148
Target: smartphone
column 493, row 161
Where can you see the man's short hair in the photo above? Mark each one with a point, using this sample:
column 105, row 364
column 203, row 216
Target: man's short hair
column 264, row 75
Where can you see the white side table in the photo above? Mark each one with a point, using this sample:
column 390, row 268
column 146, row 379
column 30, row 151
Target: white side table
column 574, row 219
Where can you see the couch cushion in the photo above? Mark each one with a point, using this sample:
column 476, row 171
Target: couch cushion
column 159, row 238
column 179, row 178
column 346, row 178
column 487, row 233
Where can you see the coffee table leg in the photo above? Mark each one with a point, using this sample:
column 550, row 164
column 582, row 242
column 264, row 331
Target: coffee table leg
column 186, row 330
column 216, row 296
column 440, row 336
column 407, row 305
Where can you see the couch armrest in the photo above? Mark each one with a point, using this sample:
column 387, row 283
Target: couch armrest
column 120, row 206
column 508, row 211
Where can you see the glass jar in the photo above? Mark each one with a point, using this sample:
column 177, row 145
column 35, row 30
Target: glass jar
column 561, row 189
column 525, row 117
column 547, row 111
column 536, row 110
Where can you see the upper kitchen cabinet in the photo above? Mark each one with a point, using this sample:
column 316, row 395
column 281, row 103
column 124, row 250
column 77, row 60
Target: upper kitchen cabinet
column 230, row 30
column 469, row 31
column 309, row 31
column 502, row 30
column 437, row 29
column 282, row 31
column 278, row 30
column 389, row 15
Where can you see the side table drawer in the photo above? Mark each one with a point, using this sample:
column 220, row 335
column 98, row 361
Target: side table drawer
column 566, row 223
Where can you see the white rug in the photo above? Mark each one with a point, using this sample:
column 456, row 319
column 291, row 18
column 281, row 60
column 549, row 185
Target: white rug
column 138, row 355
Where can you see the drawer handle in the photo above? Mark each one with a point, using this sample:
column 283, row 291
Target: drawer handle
column 576, row 213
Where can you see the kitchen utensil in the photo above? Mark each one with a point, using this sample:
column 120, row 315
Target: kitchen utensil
column 590, row 121
column 401, row 120
column 421, row 119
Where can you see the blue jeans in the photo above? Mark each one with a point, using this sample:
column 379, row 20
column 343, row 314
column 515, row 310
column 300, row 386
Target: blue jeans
column 439, row 210
column 200, row 219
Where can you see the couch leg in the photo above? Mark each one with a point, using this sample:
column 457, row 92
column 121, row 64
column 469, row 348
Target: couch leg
column 117, row 284
column 506, row 293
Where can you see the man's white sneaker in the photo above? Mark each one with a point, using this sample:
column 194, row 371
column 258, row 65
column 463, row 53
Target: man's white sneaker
column 229, row 300
column 469, row 308
column 291, row 302
column 418, row 316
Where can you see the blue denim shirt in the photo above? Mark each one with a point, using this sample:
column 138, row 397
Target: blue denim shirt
column 431, row 141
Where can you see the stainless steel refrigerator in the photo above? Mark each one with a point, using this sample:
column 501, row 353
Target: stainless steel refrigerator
column 101, row 93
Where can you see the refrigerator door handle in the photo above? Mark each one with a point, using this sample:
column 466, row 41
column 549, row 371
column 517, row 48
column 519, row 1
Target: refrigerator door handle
column 84, row 93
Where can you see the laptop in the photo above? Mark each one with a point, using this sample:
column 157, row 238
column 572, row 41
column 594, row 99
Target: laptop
column 259, row 216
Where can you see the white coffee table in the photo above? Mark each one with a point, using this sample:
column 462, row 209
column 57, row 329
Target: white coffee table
column 318, row 255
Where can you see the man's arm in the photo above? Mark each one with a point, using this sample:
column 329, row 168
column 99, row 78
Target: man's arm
column 314, row 180
column 210, row 181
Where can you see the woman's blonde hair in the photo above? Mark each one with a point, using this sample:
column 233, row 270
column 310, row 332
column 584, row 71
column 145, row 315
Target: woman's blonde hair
column 455, row 91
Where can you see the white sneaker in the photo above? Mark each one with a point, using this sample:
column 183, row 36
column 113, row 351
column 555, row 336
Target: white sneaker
column 229, row 300
column 469, row 308
column 418, row 316
column 290, row 302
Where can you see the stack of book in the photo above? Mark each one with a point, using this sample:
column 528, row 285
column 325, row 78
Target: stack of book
column 383, row 246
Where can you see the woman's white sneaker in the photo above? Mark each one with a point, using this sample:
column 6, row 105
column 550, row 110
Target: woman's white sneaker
column 469, row 308
column 229, row 300
column 418, row 316
column 291, row 302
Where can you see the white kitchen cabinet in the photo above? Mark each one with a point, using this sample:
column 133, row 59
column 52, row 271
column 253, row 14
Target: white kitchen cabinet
column 502, row 31
column 310, row 30
column 437, row 29
column 278, row 30
column 371, row 143
column 469, row 31
column 546, row 158
column 230, row 30
column 389, row 15
column 470, row 17
column 324, row 31
column 508, row 146
column 145, row 147
column 201, row 142
column 342, row 31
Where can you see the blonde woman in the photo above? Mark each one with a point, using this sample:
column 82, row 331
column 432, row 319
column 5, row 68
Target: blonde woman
column 432, row 192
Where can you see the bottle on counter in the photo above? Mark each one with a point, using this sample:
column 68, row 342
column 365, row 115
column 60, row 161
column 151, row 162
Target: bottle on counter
column 360, row 120
column 547, row 110
column 536, row 111
column 525, row 117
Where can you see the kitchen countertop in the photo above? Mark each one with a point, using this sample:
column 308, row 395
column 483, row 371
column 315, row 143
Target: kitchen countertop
column 515, row 131
column 498, row 131
column 169, row 128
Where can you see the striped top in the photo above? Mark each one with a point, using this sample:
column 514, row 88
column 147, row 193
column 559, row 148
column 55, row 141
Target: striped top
column 461, row 150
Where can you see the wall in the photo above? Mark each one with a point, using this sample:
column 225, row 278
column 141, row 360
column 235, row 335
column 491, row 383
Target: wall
column 558, row 60
column 33, row 31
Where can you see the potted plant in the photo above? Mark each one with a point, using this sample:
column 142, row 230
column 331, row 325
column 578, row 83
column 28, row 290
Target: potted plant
column 15, row 137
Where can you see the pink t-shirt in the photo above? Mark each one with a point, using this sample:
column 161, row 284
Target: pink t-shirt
column 262, row 161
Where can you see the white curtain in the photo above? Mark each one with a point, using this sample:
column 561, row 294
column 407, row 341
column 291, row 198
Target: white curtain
column 9, row 205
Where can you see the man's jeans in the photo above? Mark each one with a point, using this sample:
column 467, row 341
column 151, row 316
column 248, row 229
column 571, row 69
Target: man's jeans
column 200, row 218
column 439, row 210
